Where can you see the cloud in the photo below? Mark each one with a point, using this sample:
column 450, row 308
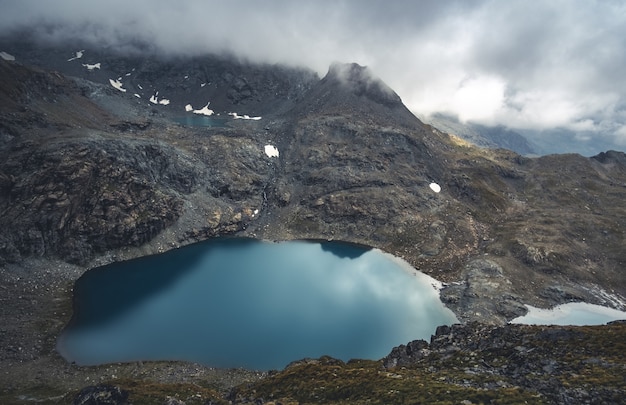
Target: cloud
column 518, row 63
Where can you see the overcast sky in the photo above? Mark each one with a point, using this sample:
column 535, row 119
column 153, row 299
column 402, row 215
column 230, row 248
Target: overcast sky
column 526, row 64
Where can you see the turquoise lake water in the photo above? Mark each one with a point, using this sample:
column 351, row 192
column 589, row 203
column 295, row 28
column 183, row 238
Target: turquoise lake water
column 253, row 304
column 573, row 313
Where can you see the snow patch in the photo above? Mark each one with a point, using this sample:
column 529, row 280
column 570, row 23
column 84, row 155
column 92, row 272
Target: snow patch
column 271, row 151
column 79, row 55
column 140, row 88
column 435, row 187
column 92, row 67
column 203, row 84
column 188, row 108
column 137, row 95
column 205, row 110
column 117, row 84
column 155, row 99
column 573, row 313
column 6, row 56
column 243, row 117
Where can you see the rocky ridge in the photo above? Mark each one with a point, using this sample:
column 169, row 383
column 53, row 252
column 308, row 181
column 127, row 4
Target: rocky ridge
column 547, row 360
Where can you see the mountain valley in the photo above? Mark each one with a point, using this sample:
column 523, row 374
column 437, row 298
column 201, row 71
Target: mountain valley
column 91, row 174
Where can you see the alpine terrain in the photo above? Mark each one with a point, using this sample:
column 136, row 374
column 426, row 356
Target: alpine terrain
column 102, row 159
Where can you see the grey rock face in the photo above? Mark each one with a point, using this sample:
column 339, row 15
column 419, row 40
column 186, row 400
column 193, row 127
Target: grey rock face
column 101, row 395
column 485, row 294
column 78, row 198
column 539, row 358
column 406, row 354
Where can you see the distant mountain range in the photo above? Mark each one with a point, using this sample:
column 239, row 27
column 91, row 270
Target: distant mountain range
column 483, row 136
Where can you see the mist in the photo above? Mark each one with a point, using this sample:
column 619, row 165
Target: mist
column 536, row 66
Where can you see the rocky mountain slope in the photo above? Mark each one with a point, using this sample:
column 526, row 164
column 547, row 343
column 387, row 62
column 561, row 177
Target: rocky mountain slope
column 90, row 174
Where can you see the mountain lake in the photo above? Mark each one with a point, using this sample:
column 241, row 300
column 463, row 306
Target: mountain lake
column 250, row 303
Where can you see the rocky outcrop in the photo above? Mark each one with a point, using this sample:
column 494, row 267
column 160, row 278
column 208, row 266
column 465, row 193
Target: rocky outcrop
column 547, row 360
column 101, row 395
column 484, row 295
column 80, row 198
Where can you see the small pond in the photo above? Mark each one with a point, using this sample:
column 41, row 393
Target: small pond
column 573, row 313
column 248, row 303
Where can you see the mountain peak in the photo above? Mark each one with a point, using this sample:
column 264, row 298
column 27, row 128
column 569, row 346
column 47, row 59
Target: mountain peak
column 362, row 82
column 350, row 89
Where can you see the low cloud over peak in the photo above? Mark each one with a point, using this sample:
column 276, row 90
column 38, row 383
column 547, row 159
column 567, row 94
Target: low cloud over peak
column 539, row 65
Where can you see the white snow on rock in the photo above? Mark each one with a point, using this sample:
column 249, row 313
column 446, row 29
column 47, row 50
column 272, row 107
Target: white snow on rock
column 6, row 56
column 117, row 84
column 572, row 313
column 205, row 110
column 188, row 108
column 155, row 99
column 202, row 84
column 435, row 187
column 271, row 151
column 92, row 67
column 140, row 88
column 137, row 95
column 243, row 117
column 79, row 54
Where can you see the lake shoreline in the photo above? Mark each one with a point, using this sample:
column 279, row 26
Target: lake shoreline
column 36, row 307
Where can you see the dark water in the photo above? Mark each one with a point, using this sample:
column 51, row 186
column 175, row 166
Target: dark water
column 197, row 120
column 246, row 303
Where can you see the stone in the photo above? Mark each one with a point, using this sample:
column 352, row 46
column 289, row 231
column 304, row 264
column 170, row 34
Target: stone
column 101, row 395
